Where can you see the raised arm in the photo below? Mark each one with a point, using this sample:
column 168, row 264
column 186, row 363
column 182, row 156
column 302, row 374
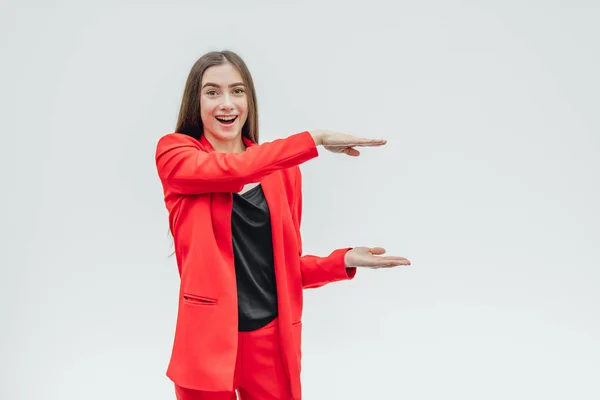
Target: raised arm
column 186, row 169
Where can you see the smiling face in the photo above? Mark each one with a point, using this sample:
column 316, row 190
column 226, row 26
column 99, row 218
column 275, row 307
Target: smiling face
column 223, row 105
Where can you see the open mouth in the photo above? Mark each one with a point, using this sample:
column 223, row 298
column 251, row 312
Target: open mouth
column 227, row 120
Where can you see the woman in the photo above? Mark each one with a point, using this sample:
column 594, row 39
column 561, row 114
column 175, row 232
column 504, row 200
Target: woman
column 235, row 208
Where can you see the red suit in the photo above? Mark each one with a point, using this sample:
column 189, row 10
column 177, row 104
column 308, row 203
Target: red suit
column 198, row 183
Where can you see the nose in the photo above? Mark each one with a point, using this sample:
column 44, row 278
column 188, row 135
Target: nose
column 227, row 104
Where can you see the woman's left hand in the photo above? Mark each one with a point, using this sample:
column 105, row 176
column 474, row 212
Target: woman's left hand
column 370, row 257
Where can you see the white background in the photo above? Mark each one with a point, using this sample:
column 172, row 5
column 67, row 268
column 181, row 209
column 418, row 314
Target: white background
column 489, row 185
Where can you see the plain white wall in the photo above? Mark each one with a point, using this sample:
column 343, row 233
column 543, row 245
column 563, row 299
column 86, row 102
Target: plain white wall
column 489, row 185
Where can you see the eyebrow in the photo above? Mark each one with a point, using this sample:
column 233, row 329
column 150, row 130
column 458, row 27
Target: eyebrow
column 215, row 85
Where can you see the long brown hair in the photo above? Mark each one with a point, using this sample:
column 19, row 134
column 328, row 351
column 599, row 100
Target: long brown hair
column 189, row 121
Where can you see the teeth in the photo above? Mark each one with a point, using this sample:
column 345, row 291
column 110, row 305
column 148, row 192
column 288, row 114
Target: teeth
column 226, row 118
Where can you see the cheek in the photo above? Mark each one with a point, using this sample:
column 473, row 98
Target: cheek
column 242, row 106
column 206, row 111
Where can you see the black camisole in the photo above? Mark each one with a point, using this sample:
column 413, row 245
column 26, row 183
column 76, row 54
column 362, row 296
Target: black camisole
column 254, row 266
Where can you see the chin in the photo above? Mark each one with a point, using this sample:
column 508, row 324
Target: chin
column 229, row 135
column 225, row 134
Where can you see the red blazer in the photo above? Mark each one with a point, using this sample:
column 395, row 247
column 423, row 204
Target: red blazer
column 198, row 183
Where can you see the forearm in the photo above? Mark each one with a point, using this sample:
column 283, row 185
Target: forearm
column 184, row 168
column 318, row 271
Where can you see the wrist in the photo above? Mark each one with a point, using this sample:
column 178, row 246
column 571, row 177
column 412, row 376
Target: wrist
column 317, row 137
column 346, row 263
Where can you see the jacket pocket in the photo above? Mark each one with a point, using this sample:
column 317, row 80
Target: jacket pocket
column 199, row 300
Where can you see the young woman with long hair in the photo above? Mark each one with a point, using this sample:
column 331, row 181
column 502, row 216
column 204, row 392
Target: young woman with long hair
column 235, row 209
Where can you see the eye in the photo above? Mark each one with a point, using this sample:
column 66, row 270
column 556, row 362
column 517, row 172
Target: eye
column 211, row 92
column 238, row 91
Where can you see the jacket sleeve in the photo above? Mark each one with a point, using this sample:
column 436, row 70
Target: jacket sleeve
column 317, row 271
column 184, row 168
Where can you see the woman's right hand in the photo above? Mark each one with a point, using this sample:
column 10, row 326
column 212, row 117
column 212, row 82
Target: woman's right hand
column 343, row 143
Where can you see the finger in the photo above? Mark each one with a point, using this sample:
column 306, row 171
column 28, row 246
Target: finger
column 357, row 141
column 363, row 140
column 393, row 260
column 383, row 263
column 373, row 260
column 391, row 265
column 377, row 250
column 352, row 152
column 360, row 143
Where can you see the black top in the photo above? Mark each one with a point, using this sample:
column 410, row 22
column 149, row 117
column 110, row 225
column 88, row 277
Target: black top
column 254, row 266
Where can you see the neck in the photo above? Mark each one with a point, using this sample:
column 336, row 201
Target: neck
column 236, row 145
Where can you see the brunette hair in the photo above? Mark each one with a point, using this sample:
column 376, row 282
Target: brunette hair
column 189, row 121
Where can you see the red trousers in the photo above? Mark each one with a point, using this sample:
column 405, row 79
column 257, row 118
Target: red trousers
column 259, row 373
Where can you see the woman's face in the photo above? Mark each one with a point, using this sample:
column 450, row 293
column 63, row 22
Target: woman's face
column 223, row 102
